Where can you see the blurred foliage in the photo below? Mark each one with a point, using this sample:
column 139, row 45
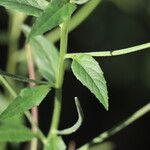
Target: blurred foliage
column 103, row 146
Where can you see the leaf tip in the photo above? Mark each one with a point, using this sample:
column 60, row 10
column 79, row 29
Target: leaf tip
column 106, row 106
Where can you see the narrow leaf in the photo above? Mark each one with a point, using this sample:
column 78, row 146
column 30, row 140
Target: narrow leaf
column 28, row 98
column 77, row 125
column 56, row 143
column 30, row 7
column 56, row 13
column 46, row 56
column 89, row 73
column 15, row 133
column 21, row 78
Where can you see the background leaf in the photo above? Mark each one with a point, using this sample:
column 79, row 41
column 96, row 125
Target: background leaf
column 28, row 98
column 15, row 133
column 46, row 56
column 89, row 73
column 56, row 13
column 56, row 143
column 30, row 7
column 103, row 146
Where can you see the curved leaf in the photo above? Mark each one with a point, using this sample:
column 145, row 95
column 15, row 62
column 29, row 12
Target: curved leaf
column 89, row 73
column 77, row 125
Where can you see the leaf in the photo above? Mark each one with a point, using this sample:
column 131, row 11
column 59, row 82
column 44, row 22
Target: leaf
column 79, row 2
column 77, row 125
column 56, row 143
column 103, row 146
column 56, row 13
column 89, row 73
column 20, row 78
column 15, row 133
column 46, row 56
column 28, row 98
column 30, row 7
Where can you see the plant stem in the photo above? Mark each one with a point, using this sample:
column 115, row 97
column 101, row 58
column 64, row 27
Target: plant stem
column 76, row 20
column 8, row 87
column 34, row 142
column 16, row 20
column 105, row 135
column 113, row 52
column 27, row 114
column 59, row 79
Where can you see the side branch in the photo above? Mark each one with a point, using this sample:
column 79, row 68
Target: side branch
column 113, row 52
column 105, row 135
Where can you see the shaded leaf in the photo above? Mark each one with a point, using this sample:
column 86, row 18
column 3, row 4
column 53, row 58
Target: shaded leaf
column 15, row 133
column 77, row 125
column 46, row 56
column 56, row 143
column 89, row 73
column 28, row 98
column 56, row 13
column 103, row 146
column 30, row 7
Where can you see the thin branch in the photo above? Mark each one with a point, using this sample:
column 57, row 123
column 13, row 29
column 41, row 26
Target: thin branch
column 113, row 52
column 34, row 142
column 105, row 135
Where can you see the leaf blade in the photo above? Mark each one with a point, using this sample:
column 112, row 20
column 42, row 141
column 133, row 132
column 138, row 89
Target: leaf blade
column 31, row 7
column 77, row 125
column 28, row 98
column 46, row 56
column 55, row 13
column 15, row 133
column 89, row 73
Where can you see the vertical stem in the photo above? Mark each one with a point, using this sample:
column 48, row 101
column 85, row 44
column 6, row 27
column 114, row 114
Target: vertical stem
column 15, row 23
column 59, row 79
column 34, row 142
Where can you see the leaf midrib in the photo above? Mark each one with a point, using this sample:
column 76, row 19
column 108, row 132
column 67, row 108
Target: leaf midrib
column 94, row 83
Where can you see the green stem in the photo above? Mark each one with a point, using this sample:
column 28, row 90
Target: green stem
column 105, row 135
column 113, row 52
column 76, row 20
column 27, row 114
column 8, row 87
column 15, row 23
column 59, row 80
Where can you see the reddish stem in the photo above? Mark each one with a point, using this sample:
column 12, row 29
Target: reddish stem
column 34, row 110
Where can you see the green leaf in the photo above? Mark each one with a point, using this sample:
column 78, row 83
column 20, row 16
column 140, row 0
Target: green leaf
column 77, row 125
column 15, row 133
column 30, row 7
column 28, row 98
column 89, row 73
column 103, row 146
column 46, row 56
column 56, row 13
column 56, row 143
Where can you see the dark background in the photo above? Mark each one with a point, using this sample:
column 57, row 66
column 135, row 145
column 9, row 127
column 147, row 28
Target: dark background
column 113, row 25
